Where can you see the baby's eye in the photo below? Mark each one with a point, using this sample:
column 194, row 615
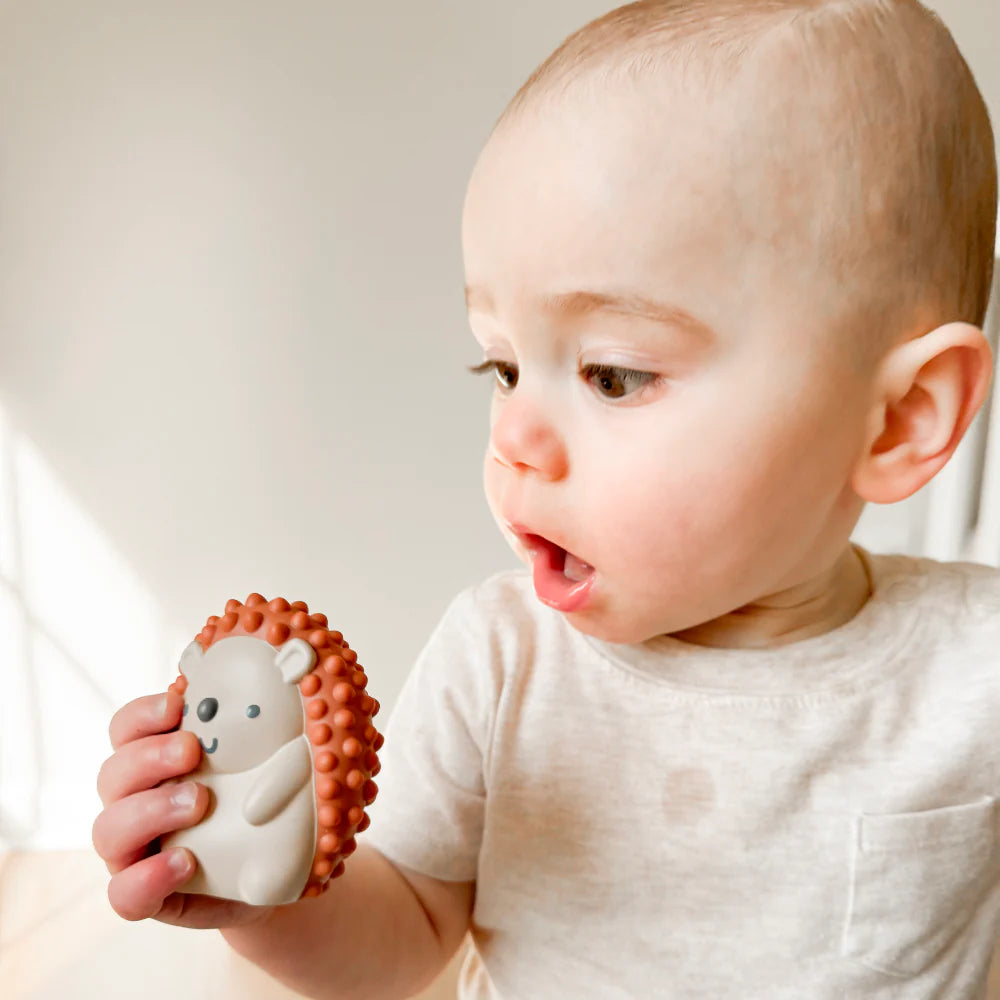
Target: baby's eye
column 253, row 711
column 506, row 373
column 613, row 382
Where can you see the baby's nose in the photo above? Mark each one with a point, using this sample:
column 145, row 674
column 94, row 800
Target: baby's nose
column 207, row 708
column 525, row 440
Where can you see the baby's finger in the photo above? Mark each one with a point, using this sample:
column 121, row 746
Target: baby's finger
column 138, row 891
column 155, row 713
column 126, row 827
column 144, row 763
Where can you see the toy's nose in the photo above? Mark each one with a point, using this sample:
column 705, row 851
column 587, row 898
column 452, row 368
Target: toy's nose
column 207, row 708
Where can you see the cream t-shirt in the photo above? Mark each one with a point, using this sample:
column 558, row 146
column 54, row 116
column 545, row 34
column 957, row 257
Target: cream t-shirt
column 812, row 822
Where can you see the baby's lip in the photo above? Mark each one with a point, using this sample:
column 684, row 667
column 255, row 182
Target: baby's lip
column 528, row 538
column 535, row 543
column 561, row 579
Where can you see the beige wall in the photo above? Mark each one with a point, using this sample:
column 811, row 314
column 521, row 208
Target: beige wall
column 233, row 338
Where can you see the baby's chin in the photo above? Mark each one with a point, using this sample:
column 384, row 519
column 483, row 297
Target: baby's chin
column 600, row 622
column 607, row 627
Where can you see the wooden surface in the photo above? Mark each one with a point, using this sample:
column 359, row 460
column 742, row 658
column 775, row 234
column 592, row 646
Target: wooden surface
column 60, row 940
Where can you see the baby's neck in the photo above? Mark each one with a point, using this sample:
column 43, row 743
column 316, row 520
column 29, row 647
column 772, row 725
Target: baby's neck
column 818, row 605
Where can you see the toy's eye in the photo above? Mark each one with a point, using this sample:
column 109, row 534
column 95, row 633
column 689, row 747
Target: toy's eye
column 253, row 711
column 185, row 709
column 207, row 708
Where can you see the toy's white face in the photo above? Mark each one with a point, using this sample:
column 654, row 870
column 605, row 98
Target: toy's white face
column 238, row 704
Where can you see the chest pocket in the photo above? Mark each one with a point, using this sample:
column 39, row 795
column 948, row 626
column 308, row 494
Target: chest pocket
column 917, row 880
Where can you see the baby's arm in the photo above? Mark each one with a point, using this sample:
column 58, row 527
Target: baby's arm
column 380, row 932
column 278, row 783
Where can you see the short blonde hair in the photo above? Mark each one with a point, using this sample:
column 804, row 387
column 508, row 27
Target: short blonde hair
column 909, row 231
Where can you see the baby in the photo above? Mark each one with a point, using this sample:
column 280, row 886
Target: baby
column 727, row 262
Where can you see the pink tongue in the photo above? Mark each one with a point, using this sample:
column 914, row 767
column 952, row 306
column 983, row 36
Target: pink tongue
column 551, row 569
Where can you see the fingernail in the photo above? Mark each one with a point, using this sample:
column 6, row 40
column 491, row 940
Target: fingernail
column 185, row 795
column 179, row 861
column 173, row 753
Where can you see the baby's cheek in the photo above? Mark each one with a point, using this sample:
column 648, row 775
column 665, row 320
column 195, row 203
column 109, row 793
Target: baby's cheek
column 491, row 470
column 659, row 537
column 654, row 504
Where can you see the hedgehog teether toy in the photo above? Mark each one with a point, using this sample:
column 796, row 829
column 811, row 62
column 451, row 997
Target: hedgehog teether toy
column 278, row 702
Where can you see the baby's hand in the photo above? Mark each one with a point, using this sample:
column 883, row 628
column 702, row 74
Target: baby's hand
column 138, row 809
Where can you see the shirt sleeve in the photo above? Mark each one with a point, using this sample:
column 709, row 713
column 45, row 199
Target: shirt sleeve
column 430, row 807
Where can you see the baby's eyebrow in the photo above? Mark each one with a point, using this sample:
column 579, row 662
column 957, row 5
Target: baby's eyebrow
column 579, row 303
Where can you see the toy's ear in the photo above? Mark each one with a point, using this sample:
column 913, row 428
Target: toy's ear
column 295, row 659
column 191, row 658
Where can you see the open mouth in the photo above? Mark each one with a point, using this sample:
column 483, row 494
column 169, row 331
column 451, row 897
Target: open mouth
column 562, row 580
column 212, row 748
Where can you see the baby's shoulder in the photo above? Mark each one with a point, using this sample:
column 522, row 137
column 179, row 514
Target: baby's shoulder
column 951, row 610
column 507, row 596
column 503, row 619
column 965, row 587
column 980, row 585
column 972, row 588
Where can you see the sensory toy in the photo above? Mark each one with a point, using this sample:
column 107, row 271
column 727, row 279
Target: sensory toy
column 279, row 704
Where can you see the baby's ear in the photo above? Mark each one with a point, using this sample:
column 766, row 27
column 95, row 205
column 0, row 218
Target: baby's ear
column 191, row 658
column 927, row 392
column 295, row 659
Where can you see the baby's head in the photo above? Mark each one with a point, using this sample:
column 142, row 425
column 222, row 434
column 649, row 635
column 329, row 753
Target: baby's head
column 729, row 260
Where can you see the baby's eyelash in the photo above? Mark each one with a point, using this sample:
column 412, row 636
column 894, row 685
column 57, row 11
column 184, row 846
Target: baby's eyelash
column 613, row 371
column 616, row 382
column 609, row 381
column 482, row 369
column 499, row 368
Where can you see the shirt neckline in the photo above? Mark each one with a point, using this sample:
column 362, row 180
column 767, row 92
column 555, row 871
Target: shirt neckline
column 860, row 652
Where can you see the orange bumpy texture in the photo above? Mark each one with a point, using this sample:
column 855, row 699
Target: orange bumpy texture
column 337, row 714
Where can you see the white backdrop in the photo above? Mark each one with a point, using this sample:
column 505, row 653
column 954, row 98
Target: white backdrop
column 233, row 339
